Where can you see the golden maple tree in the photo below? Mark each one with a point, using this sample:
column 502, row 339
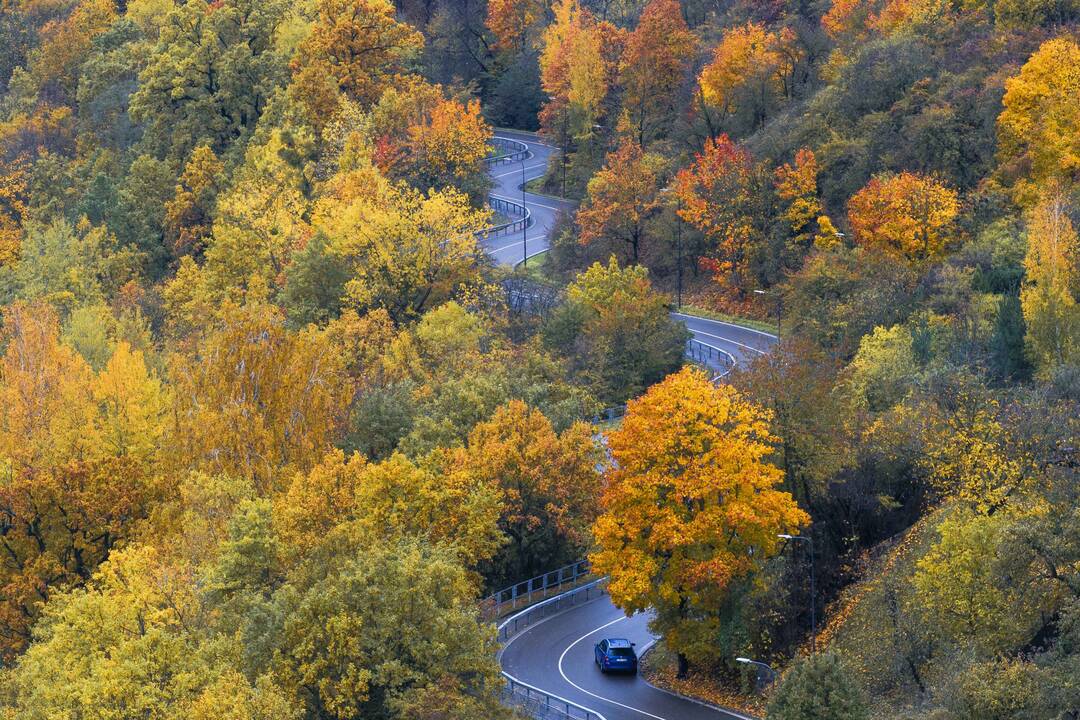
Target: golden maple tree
column 691, row 504
column 907, row 215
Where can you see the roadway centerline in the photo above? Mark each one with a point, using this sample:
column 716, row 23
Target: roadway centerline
column 587, row 692
column 515, row 172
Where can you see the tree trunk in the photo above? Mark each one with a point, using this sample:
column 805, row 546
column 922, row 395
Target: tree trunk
column 684, row 667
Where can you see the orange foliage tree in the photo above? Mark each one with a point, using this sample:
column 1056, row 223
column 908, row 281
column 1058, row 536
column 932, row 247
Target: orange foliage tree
column 753, row 58
column 907, row 215
column 719, row 195
column 515, row 23
column 653, row 68
column 13, row 197
column 548, row 484
column 69, row 493
column 623, row 196
column 852, row 21
column 690, row 508
column 255, row 401
column 447, row 148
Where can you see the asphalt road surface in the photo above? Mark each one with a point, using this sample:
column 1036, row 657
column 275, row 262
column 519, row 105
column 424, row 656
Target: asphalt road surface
column 731, row 342
column 556, row 655
column 512, row 249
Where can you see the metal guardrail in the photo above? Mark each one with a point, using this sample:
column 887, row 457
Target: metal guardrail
column 507, row 151
column 507, row 207
column 541, row 587
column 543, row 706
column 538, row 703
column 706, row 355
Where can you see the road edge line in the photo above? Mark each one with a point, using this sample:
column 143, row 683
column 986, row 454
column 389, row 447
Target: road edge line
column 688, row 698
column 725, row 322
column 507, row 621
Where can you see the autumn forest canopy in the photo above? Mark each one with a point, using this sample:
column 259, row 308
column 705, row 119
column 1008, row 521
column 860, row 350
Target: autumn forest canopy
column 272, row 423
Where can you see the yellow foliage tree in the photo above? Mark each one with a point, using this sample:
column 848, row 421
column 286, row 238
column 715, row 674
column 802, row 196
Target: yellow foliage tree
column 359, row 46
column 404, row 251
column 13, row 197
column 253, row 399
column 910, row 216
column 574, row 72
column 796, row 186
column 386, row 500
column 132, row 405
column 188, row 214
column 46, row 408
column 958, row 587
column 691, row 505
column 1050, row 296
column 750, row 56
column 1039, row 125
column 974, row 455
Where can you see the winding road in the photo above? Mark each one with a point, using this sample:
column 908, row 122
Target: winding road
column 556, row 654
column 738, row 343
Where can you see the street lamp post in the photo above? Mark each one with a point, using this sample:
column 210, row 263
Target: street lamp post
column 678, row 254
column 779, row 308
column 678, row 247
column 813, row 589
column 524, row 217
column 748, row 661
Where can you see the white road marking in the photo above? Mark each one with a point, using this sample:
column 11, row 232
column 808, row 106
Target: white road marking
column 529, row 204
column 518, row 171
column 518, row 242
column 599, row 697
column 721, row 337
column 721, row 322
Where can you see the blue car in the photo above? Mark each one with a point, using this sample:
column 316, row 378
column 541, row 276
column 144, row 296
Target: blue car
column 616, row 655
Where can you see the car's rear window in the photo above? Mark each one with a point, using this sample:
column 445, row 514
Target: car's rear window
column 622, row 652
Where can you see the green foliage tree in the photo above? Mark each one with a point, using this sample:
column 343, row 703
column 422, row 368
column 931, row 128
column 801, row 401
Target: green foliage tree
column 352, row 635
column 818, row 688
column 617, row 331
column 209, row 76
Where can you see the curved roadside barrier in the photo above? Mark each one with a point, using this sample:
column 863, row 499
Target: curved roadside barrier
column 708, row 356
column 507, row 150
column 508, row 208
column 523, row 594
column 538, row 703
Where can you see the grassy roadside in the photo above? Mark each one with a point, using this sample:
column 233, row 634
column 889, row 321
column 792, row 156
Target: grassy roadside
column 751, row 323
column 538, row 268
column 658, row 667
column 536, row 187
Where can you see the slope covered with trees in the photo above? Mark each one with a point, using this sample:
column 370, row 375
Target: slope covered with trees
column 268, row 428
